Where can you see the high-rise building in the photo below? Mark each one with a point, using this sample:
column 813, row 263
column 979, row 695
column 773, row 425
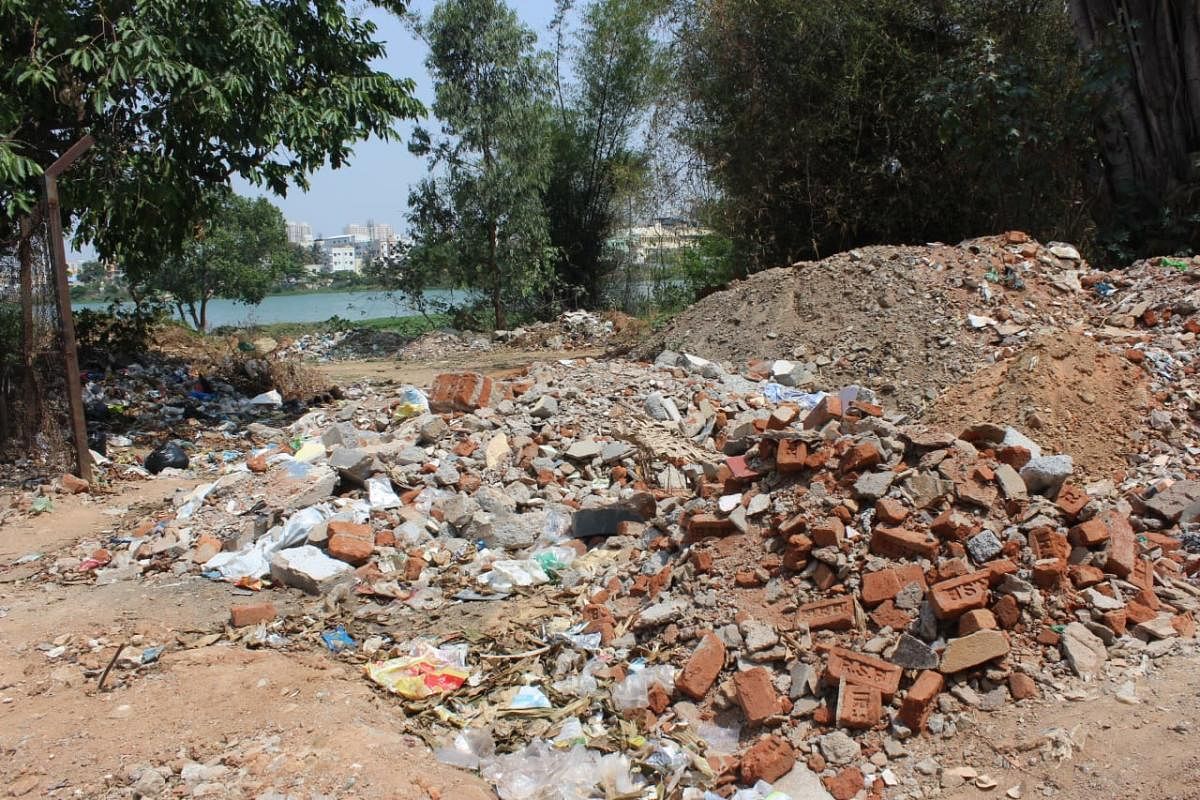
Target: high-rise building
column 300, row 233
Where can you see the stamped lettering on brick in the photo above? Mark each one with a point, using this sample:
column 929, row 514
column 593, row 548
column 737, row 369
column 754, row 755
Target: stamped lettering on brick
column 862, row 670
column 954, row 597
column 835, row 614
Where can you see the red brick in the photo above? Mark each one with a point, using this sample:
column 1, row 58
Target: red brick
column 1185, row 625
column 702, row 561
column 1071, row 499
column 703, row 667
column 953, row 524
column 900, row 543
column 823, row 577
column 879, row 586
column 351, row 549
column 833, row 614
column 1021, row 686
column 756, row 695
column 845, row 785
column 1007, row 612
column 1091, row 533
column 339, row 526
column 1084, row 575
column 1116, row 620
column 1122, row 547
column 241, row 616
column 414, row 567
column 795, row 555
column 890, row 511
column 768, row 759
column 830, row 408
column 1048, row 573
column 858, row 706
column 658, row 699
column 1169, row 544
column 791, row 456
column 976, row 620
column 997, row 569
column 918, row 702
column 1015, row 456
column 888, row 616
column 460, row 391
column 862, row 670
column 1046, row 543
column 862, row 456
column 73, row 484
column 950, row 599
column 829, row 532
column 702, row 525
column 1048, row 637
column 1137, row 613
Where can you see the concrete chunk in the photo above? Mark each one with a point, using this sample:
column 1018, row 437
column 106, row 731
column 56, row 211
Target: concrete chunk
column 308, row 569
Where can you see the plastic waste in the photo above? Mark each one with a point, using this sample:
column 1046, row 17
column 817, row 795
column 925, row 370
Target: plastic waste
column 528, row 697
column 634, row 691
column 778, row 393
column 194, row 500
column 271, row 398
column 508, row 573
column 413, row 403
column 338, row 640
column 254, row 560
column 467, row 749
column 169, row 455
column 380, row 493
column 554, row 559
column 427, row 671
column 541, row 771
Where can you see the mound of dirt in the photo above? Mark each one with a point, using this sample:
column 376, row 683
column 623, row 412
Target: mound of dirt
column 1066, row 391
column 895, row 318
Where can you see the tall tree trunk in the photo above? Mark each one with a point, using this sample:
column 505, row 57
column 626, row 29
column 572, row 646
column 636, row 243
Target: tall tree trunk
column 32, row 401
column 203, row 327
column 1151, row 138
column 497, row 279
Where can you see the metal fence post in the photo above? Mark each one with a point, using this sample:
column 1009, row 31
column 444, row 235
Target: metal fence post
column 58, row 259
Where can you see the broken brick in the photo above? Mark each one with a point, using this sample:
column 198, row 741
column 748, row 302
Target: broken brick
column 756, row 695
column 703, row 667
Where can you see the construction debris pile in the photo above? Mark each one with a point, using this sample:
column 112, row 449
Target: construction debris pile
column 686, row 580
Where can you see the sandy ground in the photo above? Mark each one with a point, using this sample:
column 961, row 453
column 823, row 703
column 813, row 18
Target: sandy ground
column 302, row 723
column 498, row 364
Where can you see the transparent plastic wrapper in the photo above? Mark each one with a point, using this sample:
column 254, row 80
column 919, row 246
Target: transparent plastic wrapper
column 380, row 493
column 254, row 560
column 778, row 393
column 508, row 573
column 413, row 403
column 194, row 501
column 529, row 697
column 541, row 772
column 582, row 683
column 427, row 671
column 634, row 691
column 271, row 398
column 720, row 740
column 555, row 559
column 467, row 749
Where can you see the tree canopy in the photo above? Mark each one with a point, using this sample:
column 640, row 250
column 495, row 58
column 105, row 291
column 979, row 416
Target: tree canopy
column 180, row 96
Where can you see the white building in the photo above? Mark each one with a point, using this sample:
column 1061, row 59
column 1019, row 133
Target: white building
column 343, row 258
column 300, row 233
column 662, row 236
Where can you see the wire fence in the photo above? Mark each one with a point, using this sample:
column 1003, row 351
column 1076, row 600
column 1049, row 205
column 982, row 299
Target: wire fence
column 35, row 415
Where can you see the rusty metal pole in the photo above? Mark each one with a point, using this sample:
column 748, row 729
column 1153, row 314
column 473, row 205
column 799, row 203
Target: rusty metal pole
column 58, row 259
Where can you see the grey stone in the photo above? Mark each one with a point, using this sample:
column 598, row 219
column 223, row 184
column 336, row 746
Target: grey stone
column 984, row 546
column 1014, row 438
column 1158, row 628
column 910, row 597
column 1177, row 500
column 431, row 428
column 660, row 614
column 150, row 783
column 353, row 464
column 801, row 784
column 803, row 680
column 838, row 748
column 925, row 626
column 758, row 635
column 1084, row 651
column 873, row 485
column 1100, row 601
column 1047, row 472
column 912, row 653
column 612, row 452
column 447, row 474
column 315, row 486
column 544, row 408
column 667, row 359
column 926, row 489
column 731, row 636
column 508, row 531
column 662, row 408
column 1011, row 482
column 409, row 455
column 309, row 569
column 584, row 450
column 344, row 434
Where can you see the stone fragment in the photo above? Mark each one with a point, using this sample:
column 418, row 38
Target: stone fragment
column 1084, row 651
column 873, row 485
column 1047, row 473
column 584, row 450
column 1011, row 483
column 970, row 651
column 308, row 569
column 1178, row 503
column 496, row 451
column 984, row 546
column 838, row 748
column 912, row 653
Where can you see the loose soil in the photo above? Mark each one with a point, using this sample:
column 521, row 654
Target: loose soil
column 1069, row 394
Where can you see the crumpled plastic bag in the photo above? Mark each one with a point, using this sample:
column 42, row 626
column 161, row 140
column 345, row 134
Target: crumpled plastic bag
column 413, row 403
column 426, row 672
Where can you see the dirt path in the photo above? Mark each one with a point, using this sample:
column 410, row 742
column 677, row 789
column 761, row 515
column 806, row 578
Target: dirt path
column 422, row 373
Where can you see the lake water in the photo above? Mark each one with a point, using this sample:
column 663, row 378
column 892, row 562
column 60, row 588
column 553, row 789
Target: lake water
column 350, row 306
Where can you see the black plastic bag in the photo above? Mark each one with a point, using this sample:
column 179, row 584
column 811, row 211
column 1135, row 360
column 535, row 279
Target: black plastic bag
column 169, row 455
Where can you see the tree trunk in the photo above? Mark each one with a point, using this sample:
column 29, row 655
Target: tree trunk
column 203, row 327
column 1151, row 138
column 32, row 401
column 191, row 307
column 497, row 280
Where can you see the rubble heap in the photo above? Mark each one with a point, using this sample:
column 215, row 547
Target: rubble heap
column 608, row 577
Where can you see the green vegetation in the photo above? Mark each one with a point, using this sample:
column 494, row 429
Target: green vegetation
column 412, row 326
column 181, row 95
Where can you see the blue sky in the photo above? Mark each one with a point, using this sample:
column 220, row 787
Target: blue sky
column 375, row 184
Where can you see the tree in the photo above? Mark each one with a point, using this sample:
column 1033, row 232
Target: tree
column 620, row 70
column 478, row 218
column 240, row 252
column 1150, row 135
column 181, row 95
column 833, row 123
